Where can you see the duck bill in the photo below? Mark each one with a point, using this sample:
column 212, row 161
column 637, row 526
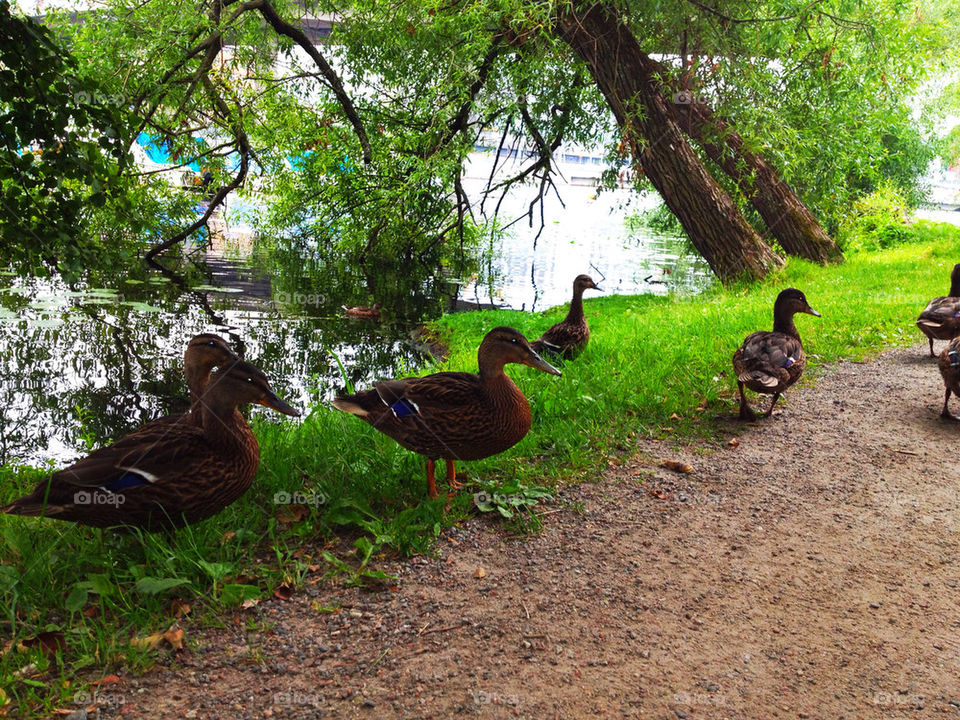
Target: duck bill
column 811, row 311
column 274, row 403
column 535, row 361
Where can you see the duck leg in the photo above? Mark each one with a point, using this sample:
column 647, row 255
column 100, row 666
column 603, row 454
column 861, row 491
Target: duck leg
column 931, row 348
column 745, row 412
column 768, row 413
column 452, row 476
column 431, row 478
column 946, row 413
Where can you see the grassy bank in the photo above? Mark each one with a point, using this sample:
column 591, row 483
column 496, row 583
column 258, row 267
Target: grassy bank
column 332, row 495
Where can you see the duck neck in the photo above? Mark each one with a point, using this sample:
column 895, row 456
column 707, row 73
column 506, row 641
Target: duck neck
column 575, row 314
column 196, row 378
column 783, row 323
column 220, row 421
column 955, row 285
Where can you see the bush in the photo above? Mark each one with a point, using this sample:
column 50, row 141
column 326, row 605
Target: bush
column 878, row 221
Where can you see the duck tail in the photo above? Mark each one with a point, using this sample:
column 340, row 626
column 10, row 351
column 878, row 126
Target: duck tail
column 759, row 378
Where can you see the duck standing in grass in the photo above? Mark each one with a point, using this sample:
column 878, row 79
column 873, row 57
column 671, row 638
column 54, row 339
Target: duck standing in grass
column 569, row 336
column 770, row 362
column 454, row 415
column 167, row 474
column 949, row 362
column 940, row 319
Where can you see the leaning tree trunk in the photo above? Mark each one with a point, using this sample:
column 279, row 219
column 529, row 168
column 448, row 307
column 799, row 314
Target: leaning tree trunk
column 787, row 218
column 627, row 79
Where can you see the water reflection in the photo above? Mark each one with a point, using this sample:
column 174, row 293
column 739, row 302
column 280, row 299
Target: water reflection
column 584, row 232
column 82, row 366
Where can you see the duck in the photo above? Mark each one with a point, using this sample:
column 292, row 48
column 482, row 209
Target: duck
column 770, row 362
column 455, row 415
column 170, row 474
column 569, row 336
column 949, row 363
column 363, row 312
column 940, row 319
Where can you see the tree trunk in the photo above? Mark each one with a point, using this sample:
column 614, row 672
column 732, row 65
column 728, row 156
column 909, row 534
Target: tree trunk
column 787, row 218
column 630, row 84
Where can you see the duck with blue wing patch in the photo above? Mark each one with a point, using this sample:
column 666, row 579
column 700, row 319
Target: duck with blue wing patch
column 770, row 362
column 167, row 474
column 454, row 415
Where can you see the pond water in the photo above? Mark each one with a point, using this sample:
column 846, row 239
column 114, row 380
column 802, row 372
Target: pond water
column 82, row 365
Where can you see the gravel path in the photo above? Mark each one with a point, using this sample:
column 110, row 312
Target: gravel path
column 807, row 569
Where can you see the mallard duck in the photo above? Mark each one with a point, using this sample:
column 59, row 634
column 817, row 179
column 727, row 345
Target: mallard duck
column 949, row 362
column 454, row 415
column 569, row 336
column 770, row 362
column 940, row 319
column 169, row 475
column 363, row 312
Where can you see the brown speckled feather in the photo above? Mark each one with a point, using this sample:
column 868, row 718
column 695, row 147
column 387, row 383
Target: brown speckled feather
column 570, row 336
column 940, row 320
column 761, row 363
column 459, row 416
column 167, row 474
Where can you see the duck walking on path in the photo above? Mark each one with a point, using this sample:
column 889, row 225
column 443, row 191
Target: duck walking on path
column 940, row 319
column 770, row 362
column 569, row 336
column 949, row 362
column 169, row 474
column 454, row 415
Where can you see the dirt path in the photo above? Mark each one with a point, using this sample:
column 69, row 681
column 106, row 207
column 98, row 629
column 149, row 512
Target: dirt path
column 810, row 572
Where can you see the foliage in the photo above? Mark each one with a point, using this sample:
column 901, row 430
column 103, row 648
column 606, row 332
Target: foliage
column 877, row 221
column 62, row 146
column 658, row 220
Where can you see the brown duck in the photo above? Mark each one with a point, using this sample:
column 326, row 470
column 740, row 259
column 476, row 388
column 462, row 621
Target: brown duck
column 569, row 336
column 940, row 319
column 949, row 362
column 770, row 362
column 454, row 415
column 169, row 474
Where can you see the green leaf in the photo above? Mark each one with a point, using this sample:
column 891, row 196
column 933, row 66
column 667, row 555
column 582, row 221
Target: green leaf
column 154, row 586
column 77, row 597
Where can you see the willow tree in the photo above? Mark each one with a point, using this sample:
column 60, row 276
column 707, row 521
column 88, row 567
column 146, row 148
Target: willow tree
column 741, row 114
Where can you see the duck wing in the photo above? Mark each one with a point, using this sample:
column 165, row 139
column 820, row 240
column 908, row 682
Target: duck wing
column 940, row 314
column 769, row 359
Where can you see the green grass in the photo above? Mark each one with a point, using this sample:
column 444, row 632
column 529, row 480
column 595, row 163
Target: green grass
column 656, row 366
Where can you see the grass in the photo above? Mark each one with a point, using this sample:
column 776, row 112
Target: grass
column 333, row 495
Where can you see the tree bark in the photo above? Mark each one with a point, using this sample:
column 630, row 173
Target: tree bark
column 786, row 217
column 629, row 81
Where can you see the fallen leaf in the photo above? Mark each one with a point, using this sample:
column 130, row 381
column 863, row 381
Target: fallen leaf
column 179, row 608
column 229, row 535
column 151, row 642
column 249, row 603
column 283, row 592
column 658, row 494
column 734, row 442
column 50, row 642
column 674, row 416
column 107, row 680
column 480, row 573
column 676, row 466
column 289, row 514
column 175, row 638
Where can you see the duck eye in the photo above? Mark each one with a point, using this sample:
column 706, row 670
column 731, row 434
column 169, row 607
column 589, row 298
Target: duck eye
column 250, row 380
